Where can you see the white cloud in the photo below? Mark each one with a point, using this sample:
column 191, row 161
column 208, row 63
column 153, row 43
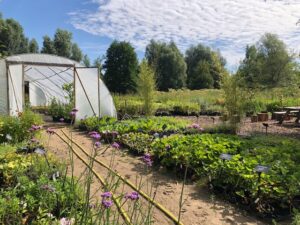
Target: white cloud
column 225, row 24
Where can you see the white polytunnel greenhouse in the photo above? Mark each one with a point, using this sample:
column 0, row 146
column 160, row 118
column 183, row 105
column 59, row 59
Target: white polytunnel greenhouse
column 42, row 76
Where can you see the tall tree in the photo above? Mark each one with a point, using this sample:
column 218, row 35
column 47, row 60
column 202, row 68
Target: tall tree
column 168, row 64
column 63, row 43
column 205, row 67
column 86, row 61
column 268, row 63
column 121, row 67
column 48, row 46
column 12, row 38
column 76, row 53
column 33, row 46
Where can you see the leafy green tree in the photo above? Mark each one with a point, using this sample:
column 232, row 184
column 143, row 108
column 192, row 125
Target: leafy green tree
column 86, row 61
column 146, row 87
column 168, row 64
column 204, row 77
column 48, row 46
column 205, row 68
column 33, row 46
column 63, row 43
column 76, row 53
column 12, row 38
column 268, row 63
column 121, row 67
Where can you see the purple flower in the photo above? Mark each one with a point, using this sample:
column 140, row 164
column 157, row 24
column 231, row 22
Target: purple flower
column 93, row 132
column 115, row 145
column 72, row 113
column 61, row 119
column 34, row 128
column 97, row 144
column 107, row 203
column 50, row 131
column 75, row 110
column 168, row 147
column 132, row 196
column 195, row 126
column 147, row 159
column 95, row 135
column 106, row 194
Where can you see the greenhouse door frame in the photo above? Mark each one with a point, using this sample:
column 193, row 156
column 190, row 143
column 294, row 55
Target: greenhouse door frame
column 9, row 77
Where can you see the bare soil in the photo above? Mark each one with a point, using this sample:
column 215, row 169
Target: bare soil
column 200, row 207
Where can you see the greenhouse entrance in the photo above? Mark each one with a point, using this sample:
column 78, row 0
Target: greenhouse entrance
column 39, row 81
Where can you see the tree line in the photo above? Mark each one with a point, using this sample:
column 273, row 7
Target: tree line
column 201, row 67
column 267, row 64
column 13, row 41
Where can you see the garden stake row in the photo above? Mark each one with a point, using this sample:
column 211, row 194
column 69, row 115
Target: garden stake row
column 149, row 199
column 120, row 209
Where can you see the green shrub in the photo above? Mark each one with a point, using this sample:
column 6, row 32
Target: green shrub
column 146, row 87
column 28, row 194
column 15, row 129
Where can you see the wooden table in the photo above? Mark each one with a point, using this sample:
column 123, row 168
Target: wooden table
column 293, row 108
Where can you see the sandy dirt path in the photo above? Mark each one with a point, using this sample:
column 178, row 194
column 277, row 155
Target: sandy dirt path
column 199, row 208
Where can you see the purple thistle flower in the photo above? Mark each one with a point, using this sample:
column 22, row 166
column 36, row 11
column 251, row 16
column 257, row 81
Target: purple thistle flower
column 95, row 135
column 93, row 132
column 106, row 194
column 34, row 128
column 132, row 196
column 61, row 119
column 97, row 144
column 147, row 159
column 115, row 145
column 107, row 203
column 50, row 131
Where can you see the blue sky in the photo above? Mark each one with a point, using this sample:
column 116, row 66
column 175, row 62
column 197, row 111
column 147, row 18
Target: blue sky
column 227, row 25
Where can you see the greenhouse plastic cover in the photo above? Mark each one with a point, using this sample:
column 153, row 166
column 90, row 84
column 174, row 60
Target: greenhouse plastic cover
column 46, row 81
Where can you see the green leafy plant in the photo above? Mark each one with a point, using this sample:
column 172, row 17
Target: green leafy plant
column 16, row 129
